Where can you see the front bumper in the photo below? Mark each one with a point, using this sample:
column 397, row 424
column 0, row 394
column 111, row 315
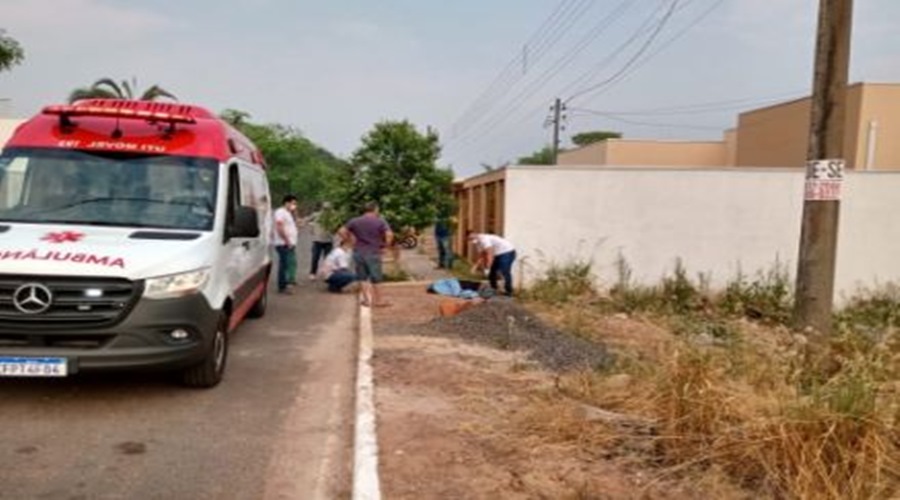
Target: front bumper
column 140, row 341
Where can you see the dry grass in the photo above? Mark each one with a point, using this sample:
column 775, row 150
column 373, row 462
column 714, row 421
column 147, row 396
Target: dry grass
column 749, row 406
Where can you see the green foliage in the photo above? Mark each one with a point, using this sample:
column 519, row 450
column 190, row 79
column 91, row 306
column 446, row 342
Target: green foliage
column 295, row 164
column 680, row 293
column 11, row 52
column 768, row 298
column 585, row 138
column 107, row 88
column 396, row 167
column 561, row 283
column 630, row 298
column 874, row 313
column 543, row 156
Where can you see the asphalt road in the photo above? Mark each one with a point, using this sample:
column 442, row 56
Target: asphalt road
column 279, row 425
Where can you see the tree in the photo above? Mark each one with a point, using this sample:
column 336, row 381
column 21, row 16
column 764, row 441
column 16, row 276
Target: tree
column 107, row 88
column 11, row 52
column 585, row 138
column 396, row 167
column 295, row 164
column 543, row 156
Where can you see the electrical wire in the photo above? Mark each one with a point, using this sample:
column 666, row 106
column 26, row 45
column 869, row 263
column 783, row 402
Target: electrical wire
column 634, row 58
column 538, row 83
column 546, row 36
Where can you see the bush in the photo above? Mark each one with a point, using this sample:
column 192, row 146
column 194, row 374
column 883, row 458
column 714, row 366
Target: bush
column 874, row 313
column 768, row 298
column 562, row 283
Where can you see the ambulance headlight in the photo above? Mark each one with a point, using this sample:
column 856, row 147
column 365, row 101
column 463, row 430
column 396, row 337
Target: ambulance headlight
column 176, row 285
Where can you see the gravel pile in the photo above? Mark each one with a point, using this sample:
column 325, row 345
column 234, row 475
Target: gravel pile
column 502, row 323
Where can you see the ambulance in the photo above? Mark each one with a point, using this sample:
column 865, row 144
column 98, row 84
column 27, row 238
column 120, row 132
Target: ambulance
column 133, row 236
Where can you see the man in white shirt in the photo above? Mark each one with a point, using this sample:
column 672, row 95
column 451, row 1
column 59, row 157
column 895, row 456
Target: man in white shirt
column 497, row 256
column 336, row 267
column 285, row 239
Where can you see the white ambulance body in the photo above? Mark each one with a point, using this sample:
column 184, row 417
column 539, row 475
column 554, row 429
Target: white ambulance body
column 133, row 235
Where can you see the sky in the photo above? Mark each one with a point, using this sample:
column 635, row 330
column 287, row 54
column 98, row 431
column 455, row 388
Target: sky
column 482, row 73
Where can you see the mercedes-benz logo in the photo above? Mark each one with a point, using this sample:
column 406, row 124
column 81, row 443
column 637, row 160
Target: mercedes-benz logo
column 32, row 298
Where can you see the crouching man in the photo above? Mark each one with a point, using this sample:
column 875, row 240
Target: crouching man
column 336, row 267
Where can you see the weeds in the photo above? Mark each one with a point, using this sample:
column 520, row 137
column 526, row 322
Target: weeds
column 778, row 415
column 768, row 298
column 562, row 283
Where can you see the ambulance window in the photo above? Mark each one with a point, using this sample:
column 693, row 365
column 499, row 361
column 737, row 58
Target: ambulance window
column 234, row 194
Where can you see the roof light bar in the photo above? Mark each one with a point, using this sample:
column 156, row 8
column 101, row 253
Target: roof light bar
column 125, row 114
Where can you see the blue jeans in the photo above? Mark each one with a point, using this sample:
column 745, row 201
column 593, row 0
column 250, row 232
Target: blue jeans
column 502, row 265
column 445, row 252
column 339, row 279
column 287, row 266
column 320, row 250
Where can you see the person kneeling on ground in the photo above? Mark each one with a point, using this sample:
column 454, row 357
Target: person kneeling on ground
column 336, row 267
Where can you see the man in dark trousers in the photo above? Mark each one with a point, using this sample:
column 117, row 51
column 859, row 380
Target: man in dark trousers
column 443, row 233
column 496, row 255
column 370, row 235
column 322, row 240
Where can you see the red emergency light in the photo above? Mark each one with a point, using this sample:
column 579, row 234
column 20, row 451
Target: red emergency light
column 123, row 113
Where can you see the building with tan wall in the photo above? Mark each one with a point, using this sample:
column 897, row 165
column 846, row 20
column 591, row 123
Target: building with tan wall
column 624, row 152
column 773, row 136
column 777, row 136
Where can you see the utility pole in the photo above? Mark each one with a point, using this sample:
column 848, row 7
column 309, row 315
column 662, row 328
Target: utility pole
column 821, row 205
column 557, row 112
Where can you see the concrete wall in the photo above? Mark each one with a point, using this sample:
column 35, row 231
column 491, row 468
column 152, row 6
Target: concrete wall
column 776, row 136
column 648, row 152
column 878, row 105
column 592, row 154
column 717, row 221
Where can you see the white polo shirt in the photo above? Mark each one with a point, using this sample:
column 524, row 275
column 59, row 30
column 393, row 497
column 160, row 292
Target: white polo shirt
column 492, row 241
column 285, row 217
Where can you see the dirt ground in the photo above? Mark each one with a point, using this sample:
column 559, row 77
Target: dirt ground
column 460, row 417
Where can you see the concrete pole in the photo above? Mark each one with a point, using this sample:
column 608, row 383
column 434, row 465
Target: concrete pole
column 818, row 238
column 557, row 109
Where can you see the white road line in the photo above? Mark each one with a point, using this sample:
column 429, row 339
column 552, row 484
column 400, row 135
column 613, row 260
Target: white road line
column 366, row 485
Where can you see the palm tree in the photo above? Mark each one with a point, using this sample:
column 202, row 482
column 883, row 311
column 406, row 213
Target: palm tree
column 107, row 88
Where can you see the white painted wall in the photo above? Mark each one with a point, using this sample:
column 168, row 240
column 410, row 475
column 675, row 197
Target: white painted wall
column 716, row 221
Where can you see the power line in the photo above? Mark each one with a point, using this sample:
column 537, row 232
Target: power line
column 656, row 31
column 666, row 44
column 508, row 72
column 648, row 124
column 566, row 12
column 552, row 71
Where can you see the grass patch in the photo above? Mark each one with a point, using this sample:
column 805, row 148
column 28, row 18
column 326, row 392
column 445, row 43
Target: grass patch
column 562, row 283
column 737, row 396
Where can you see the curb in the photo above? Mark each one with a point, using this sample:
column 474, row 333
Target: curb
column 366, row 485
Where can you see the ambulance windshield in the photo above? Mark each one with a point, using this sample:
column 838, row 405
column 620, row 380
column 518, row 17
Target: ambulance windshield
column 111, row 189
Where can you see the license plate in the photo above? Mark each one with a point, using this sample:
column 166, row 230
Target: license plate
column 33, row 367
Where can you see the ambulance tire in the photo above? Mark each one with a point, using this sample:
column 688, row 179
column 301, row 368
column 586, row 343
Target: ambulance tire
column 208, row 373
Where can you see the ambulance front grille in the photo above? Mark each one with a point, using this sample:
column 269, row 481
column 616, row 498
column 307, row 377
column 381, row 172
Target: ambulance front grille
column 75, row 302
